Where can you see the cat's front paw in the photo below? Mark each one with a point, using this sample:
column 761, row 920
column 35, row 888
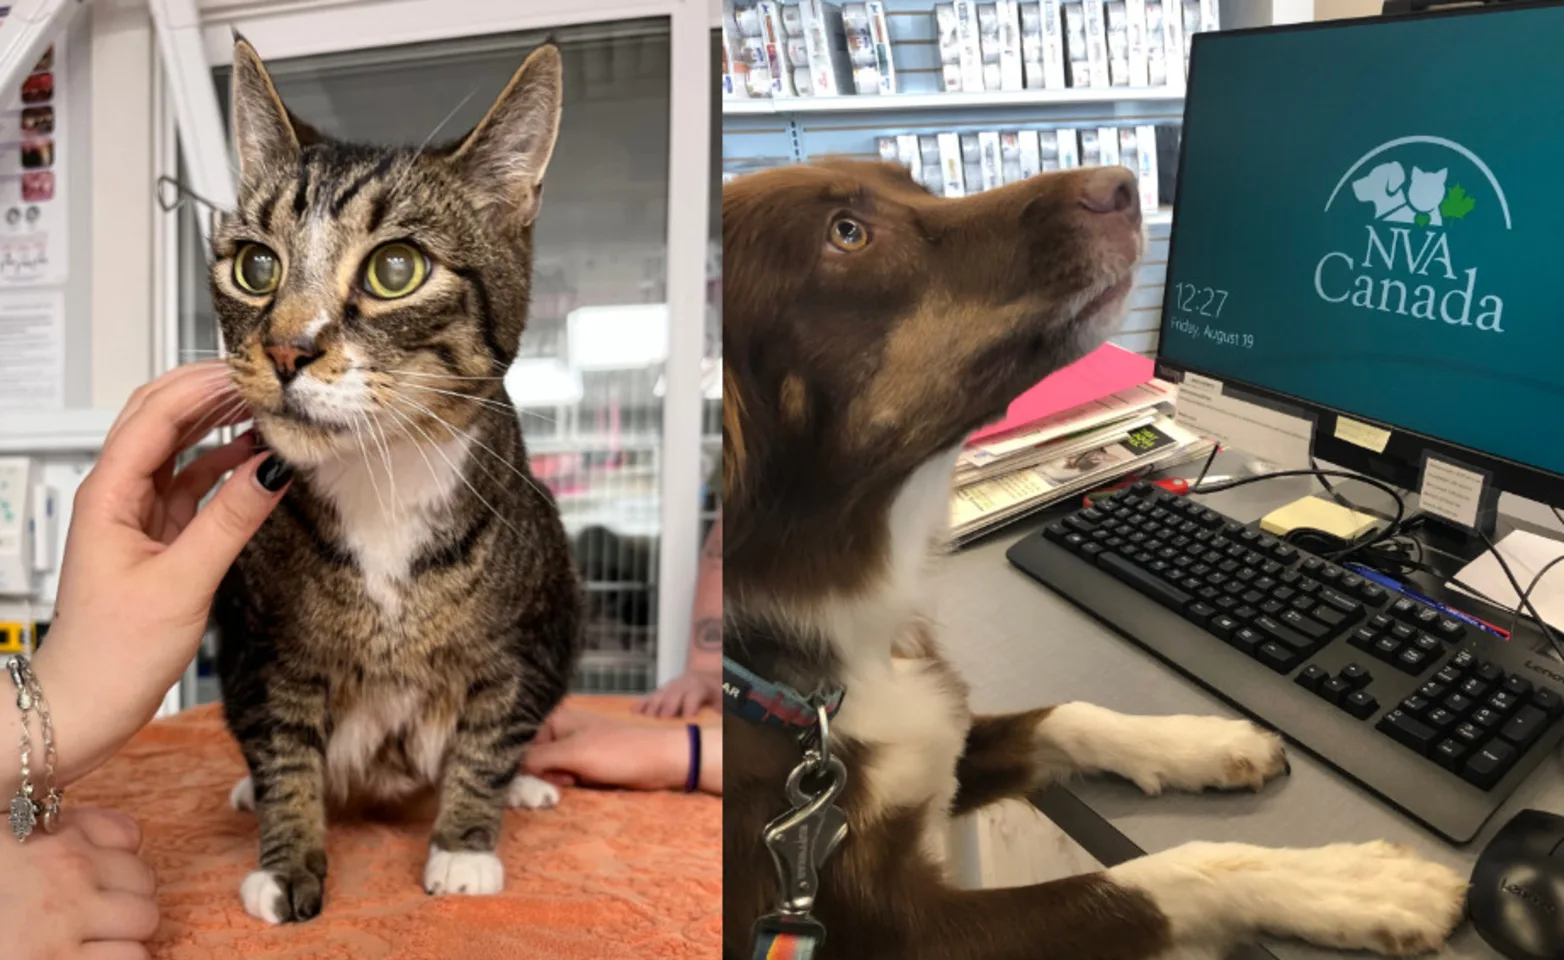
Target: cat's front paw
column 289, row 896
column 463, row 871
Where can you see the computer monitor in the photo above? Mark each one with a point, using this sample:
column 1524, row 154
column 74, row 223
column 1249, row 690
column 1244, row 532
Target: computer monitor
column 1369, row 228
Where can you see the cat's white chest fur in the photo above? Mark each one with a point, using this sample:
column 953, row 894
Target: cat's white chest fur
column 388, row 515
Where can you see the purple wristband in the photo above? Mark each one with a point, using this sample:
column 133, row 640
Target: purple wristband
column 693, row 781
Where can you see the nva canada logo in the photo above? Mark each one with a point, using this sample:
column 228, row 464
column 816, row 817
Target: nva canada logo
column 1411, row 209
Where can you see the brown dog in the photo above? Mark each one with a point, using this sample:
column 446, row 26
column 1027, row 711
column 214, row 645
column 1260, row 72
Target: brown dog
column 868, row 327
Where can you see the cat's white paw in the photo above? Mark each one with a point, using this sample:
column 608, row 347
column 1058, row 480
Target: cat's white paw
column 463, row 872
column 1374, row 896
column 242, row 796
column 531, row 793
column 262, row 894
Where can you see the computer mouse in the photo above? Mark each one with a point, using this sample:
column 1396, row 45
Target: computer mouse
column 1517, row 895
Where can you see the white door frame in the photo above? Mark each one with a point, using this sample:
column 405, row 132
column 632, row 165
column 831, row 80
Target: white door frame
column 312, row 27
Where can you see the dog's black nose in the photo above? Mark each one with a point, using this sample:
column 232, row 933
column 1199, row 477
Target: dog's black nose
column 1112, row 190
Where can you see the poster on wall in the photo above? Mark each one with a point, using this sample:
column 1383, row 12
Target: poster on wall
column 33, row 239
column 32, row 349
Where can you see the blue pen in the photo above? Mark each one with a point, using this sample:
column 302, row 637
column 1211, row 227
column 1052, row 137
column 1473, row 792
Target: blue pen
column 1408, row 592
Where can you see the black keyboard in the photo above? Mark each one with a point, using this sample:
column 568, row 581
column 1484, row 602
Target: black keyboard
column 1441, row 719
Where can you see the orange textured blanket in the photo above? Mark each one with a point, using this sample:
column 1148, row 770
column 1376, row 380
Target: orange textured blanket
column 607, row 874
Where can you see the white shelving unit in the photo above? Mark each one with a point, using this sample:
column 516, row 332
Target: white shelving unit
column 951, row 101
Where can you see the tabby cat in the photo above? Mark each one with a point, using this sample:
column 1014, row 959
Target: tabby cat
column 409, row 615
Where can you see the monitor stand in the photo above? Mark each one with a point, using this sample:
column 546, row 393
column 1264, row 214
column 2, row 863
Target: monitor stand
column 1449, row 542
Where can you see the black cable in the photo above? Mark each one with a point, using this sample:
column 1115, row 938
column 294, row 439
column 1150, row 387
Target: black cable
column 1525, row 595
column 1216, row 448
column 1556, row 515
column 1390, row 531
column 1341, row 501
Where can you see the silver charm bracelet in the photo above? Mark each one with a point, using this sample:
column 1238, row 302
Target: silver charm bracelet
column 26, row 813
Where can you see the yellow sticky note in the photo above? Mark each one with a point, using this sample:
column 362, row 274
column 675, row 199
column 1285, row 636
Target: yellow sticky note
column 1360, row 434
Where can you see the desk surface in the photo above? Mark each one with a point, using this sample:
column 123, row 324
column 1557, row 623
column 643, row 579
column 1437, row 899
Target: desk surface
column 1020, row 645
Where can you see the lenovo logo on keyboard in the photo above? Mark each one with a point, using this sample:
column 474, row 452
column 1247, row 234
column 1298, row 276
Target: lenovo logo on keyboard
column 1535, row 667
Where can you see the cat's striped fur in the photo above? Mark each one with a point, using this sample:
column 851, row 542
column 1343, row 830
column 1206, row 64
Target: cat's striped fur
column 410, row 614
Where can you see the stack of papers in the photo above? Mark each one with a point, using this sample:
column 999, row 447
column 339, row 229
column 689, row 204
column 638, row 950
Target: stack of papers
column 1063, row 440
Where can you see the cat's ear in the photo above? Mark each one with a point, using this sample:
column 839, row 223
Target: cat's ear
column 507, row 153
column 266, row 135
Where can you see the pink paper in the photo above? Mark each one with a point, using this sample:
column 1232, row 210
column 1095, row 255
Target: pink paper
column 1103, row 372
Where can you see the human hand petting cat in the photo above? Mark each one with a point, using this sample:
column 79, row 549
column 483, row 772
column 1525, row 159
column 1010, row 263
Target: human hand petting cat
column 141, row 564
column 683, row 696
column 577, row 746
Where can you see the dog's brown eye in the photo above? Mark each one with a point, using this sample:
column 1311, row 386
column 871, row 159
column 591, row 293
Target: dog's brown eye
column 849, row 235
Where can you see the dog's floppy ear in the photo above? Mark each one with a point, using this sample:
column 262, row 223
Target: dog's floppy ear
column 734, row 452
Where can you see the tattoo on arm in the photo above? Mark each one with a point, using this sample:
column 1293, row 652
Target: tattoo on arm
column 708, row 634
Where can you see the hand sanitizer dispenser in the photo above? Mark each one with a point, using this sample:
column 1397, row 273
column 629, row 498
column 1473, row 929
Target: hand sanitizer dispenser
column 16, row 530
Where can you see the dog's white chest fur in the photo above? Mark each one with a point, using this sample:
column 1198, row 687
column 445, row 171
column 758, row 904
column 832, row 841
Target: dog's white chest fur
column 389, row 514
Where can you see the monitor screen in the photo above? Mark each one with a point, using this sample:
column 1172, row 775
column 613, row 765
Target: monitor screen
column 1370, row 218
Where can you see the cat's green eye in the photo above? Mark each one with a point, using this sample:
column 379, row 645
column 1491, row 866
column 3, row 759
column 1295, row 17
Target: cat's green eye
column 395, row 270
column 257, row 269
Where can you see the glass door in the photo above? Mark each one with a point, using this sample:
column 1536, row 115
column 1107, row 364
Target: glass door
column 591, row 381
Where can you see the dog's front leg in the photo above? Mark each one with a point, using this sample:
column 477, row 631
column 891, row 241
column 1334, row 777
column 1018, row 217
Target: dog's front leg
column 1159, row 753
column 1011, row 755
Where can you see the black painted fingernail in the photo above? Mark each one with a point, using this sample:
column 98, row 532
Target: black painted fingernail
column 273, row 474
column 1287, row 767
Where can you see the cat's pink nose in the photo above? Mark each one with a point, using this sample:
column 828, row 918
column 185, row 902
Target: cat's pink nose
column 292, row 356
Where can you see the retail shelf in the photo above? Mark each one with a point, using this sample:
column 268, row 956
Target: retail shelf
column 783, row 106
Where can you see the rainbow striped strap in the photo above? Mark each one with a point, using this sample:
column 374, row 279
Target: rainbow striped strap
column 787, row 937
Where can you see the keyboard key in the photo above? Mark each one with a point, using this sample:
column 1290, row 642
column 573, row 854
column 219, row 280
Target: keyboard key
column 1363, row 638
column 1489, row 765
column 1408, row 731
column 1270, row 568
column 1284, row 594
column 1277, row 657
column 1486, row 719
column 1489, row 672
column 1449, row 629
column 1414, row 705
column 1208, row 594
column 1303, row 602
column 1329, row 573
column 1246, row 574
column 1289, row 576
column 1309, row 628
column 1404, row 607
column 1432, row 690
column 1311, row 565
column 1356, row 675
column 1468, row 735
column 1463, row 660
column 1459, row 704
column 1199, row 612
column 1547, row 701
column 1450, row 754
column 1474, row 688
column 1502, row 702
column 1351, row 582
column 1308, row 585
column 1360, row 703
column 1223, row 625
column 1228, row 566
column 1271, row 608
column 1440, row 719
column 1248, row 536
column 1380, row 622
column 1253, row 597
column 1265, row 584
column 1525, row 727
column 1247, row 639
column 1191, row 584
column 1402, row 632
column 1448, row 676
column 1246, row 613
column 1286, row 553
column 1372, row 593
column 1080, row 525
column 1074, row 541
column 1426, row 643
column 1285, row 636
column 1311, row 677
column 1091, row 551
column 1411, row 660
column 1226, row 604
column 1427, row 618
column 1518, row 685
column 1334, row 689
column 1151, row 586
column 1254, row 560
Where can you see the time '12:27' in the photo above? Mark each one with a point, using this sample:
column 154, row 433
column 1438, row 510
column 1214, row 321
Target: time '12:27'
column 1201, row 301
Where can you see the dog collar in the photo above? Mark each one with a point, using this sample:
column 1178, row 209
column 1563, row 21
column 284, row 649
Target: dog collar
column 751, row 697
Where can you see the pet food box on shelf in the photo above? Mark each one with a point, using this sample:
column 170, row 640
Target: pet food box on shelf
column 762, row 46
column 826, row 67
column 958, row 28
column 1042, row 45
column 869, row 47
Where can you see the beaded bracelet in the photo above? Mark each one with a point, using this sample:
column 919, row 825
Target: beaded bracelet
column 26, row 812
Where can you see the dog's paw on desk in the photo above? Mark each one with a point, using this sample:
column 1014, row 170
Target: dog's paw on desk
column 1373, row 896
column 1168, row 753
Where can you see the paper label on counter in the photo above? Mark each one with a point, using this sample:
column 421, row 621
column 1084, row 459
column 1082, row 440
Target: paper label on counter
column 1361, row 434
column 1451, row 492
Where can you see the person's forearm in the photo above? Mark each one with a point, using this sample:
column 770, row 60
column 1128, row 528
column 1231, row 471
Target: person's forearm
column 74, row 759
column 706, row 637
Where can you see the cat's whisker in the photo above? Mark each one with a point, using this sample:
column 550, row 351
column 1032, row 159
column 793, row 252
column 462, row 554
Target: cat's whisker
column 433, row 475
column 369, row 467
column 221, row 411
column 385, row 453
column 502, row 407
column 457, row 470
column 437, row 376
column 432, row 133
column 491, row 451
